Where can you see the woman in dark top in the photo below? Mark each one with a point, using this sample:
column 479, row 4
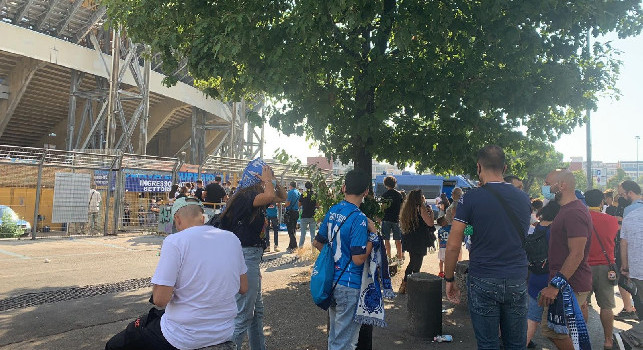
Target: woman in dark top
column 536, row 282
column 416, row 222
column 244, row 216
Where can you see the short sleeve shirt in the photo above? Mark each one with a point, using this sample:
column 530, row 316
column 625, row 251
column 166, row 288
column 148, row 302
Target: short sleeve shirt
column 443, row 235
column 351, row 240
column 293, row 198
column 392, row 213
column 632, row 232
column 308, row 204
column 203, row 264
column 606, row 227
column 573, row 220
column 496, row 249
column 240, row 219
column 635, row 205
column 271, row 211
column 215, row 193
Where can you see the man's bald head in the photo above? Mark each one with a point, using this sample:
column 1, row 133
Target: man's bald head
column 562, row 181
column 188, row 216
column 553, row 177
column 567, row 178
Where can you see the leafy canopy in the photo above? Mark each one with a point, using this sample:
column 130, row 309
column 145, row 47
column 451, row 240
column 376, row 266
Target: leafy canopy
column 407, row 81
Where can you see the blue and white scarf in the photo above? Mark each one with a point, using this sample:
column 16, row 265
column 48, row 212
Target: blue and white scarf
column 565, row 316
column 370, row 308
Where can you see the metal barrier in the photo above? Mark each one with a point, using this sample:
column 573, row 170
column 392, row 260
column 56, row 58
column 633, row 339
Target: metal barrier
column 27, row 185
column 32, row 179
column 142, row 210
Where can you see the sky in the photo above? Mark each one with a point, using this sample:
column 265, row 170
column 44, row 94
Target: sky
column 614, row 124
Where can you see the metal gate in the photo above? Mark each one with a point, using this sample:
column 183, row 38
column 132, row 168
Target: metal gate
column 27, row 187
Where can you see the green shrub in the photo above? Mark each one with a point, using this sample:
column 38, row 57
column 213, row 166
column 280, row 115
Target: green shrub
column 9, row 227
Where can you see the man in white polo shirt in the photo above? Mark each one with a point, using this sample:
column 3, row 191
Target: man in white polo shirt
column 200, row 271
column 632, row 267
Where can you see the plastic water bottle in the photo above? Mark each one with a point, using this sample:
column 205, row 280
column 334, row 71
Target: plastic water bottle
column 443, row 338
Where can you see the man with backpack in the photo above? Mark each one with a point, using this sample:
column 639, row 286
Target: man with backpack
column 497, row 280
column 346, row 229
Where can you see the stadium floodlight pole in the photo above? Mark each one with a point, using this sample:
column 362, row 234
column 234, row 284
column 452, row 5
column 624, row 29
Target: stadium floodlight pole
column 589, row 130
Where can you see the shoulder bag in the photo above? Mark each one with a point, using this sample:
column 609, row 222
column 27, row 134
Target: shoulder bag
column 612, row 274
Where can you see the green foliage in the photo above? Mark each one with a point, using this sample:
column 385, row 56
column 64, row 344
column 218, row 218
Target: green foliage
column 581, row 180
column 532, row 160
column 423, row 82
column 328, row 191
column 614, row 181
column 9, row 227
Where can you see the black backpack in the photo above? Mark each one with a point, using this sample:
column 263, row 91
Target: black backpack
column 537, row 248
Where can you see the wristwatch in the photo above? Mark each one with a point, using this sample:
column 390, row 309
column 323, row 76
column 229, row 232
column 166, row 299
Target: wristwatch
column 449, row 279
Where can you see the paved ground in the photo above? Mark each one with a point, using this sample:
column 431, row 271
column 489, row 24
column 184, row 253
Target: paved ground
column 292, row 321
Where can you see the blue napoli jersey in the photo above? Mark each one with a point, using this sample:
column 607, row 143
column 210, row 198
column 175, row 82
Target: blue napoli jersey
column 351, row 240
column 293, row 198
column 443, row 235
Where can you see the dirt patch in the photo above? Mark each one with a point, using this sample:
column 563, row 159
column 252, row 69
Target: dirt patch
column 293, row 321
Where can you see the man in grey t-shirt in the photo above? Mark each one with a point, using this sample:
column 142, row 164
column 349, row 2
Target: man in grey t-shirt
column 632, row 267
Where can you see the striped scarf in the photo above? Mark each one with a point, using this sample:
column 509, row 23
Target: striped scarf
column 565, row 316
column 370, row 308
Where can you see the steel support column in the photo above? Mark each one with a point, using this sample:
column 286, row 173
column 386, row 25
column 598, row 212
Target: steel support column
column 113, row 89
column 142, row 140
column 71, row 116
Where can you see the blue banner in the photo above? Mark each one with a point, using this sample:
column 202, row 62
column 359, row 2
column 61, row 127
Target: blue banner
column 149, row 182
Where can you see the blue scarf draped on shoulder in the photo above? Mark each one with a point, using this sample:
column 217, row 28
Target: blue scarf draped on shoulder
column 565, row 316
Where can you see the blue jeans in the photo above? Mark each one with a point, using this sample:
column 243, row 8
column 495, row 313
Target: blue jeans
column 250, row 305
column 307, row 223
column 497, row 302
column 343, row 331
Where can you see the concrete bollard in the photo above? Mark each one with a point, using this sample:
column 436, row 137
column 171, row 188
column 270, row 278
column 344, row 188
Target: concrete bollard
column 461, row 273
column 425, row 304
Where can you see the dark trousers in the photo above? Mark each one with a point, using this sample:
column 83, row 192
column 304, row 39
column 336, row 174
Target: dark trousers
column 365, row 340
column 292, row 217
column 415, row 263
column 143, row 333
column 274, row 223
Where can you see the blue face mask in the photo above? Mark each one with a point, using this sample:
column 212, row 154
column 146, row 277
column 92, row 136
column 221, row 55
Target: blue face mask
column 546, row 192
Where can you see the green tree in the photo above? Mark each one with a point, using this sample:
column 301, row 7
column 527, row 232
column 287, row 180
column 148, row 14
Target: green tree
column 581, row 180
column 532, row 160
column 614, row 181
column 424, row 82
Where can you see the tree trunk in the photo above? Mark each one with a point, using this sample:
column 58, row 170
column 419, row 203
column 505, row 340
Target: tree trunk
column 364, row 161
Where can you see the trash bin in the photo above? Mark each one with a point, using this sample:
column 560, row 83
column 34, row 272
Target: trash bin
column 461, row 273
column 425, row 304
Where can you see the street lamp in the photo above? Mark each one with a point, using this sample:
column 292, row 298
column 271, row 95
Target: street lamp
column 637, row 138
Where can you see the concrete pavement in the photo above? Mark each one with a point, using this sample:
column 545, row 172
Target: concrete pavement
column 87, row 323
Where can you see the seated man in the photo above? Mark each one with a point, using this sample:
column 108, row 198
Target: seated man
column 198, row 295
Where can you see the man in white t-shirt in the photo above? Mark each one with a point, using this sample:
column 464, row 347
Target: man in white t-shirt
column 94, row 208
column 200, row 271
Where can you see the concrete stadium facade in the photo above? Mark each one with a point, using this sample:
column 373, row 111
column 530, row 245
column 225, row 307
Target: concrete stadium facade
column 61, row 85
